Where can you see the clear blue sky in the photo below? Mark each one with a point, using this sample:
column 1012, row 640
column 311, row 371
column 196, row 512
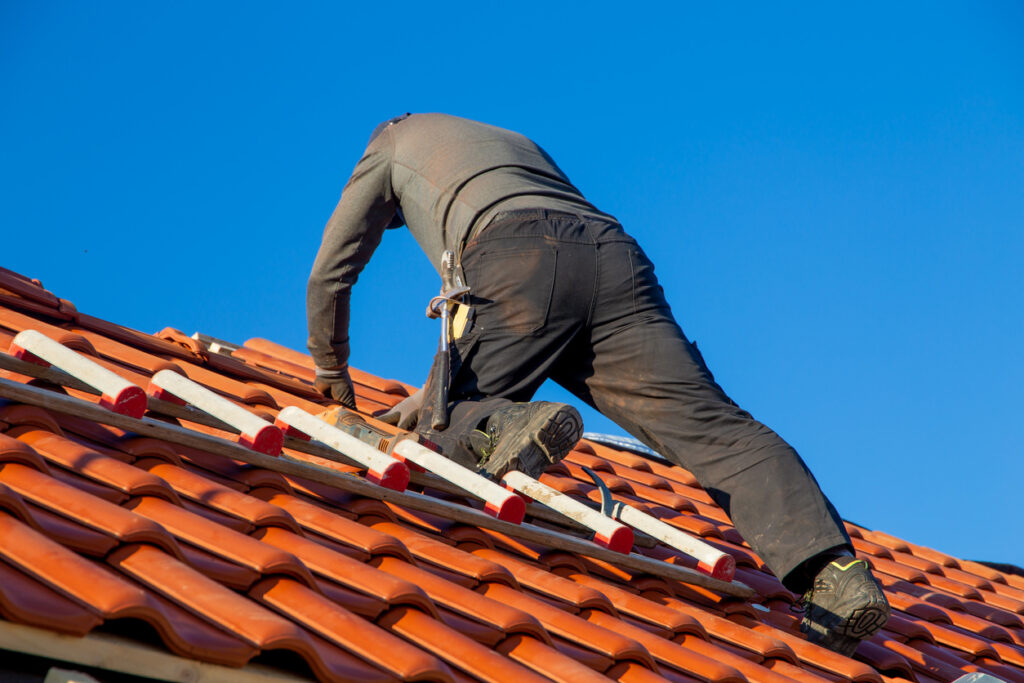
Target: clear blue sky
column 834, row 198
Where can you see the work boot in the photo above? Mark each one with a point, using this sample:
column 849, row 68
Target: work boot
column 844, row 606
column 527, row 437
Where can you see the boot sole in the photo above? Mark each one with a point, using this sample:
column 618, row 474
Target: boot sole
column 845, row 636
column 559, row 434
column 864, row 622
column 545, row 440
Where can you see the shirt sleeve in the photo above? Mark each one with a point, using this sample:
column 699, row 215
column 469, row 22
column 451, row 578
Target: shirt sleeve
column 352, row 234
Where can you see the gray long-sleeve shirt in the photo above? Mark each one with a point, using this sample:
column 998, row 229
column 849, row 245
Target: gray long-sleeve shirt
column 447, row 177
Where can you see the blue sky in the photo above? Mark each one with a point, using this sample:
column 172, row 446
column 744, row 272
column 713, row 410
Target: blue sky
column 834, row 198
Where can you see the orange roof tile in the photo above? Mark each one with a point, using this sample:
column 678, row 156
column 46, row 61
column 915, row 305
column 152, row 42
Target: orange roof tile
column 227, row 560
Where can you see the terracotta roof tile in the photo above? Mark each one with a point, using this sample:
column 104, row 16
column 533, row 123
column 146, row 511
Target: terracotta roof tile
column 1010, row 604
column 337, row 527
column 566, row 484
column 631, row 672
column 327, row 562
column 446, row 556
column 913, row 606
column 303, row 361
column 785, row 630
column 467, row 602
column 979, row 614
column 1009, row 591
column 457, row 649
column 372, row 511
column 485, row 634
column 670, row 620
column 1011, row 654
column 921, row 662
column 336, row 624
column 228, row 573
column 737, row 635
column 915, row 562
column 888, row 663
column 218, row 605
column 227, row 521
column 889, row 541
column 570, row 627
column 100, row 468
column 88, row 486
column 16, row 415
column 595, row 660
column 747, row 664
column 997, row 669
column 630, row 460
column 75, row 536
column 805, row 675
column 669, row 653
column 27, row 601
column 106, row 594
column 31, row 289
column 71, row 502
column 226, row 560
column 547, row 661
column 869, row 548
column 13, row 450
column 363, row 604
column 265, row 360
column 981, row 570
column 958, row 640
column 674, row 473
column 217, row 540
column 533, row 551
column 928, row 553
column 579, row 596
column 908, row 627
column 954, row 587
column 206, row 491
column 895, row 569
column 467, row 537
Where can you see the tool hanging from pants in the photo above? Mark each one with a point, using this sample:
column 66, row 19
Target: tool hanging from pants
column 453, row 295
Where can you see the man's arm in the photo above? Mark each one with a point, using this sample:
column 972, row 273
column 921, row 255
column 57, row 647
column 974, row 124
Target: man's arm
column 352, row 234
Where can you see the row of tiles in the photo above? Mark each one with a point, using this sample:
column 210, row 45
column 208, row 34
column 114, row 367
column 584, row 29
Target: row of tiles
column 152, row 522
column 162, row 484
column 661, row 488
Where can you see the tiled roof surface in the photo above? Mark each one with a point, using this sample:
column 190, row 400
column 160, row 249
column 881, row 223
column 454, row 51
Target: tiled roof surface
column 227, row 562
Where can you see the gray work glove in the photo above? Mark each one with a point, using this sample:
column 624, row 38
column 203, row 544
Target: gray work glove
column 406, row 413
column 335, row 383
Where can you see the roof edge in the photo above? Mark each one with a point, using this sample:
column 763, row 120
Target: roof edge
column 114, row 653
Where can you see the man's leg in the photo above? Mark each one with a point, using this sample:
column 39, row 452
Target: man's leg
column 649, row 380
column 638, row 368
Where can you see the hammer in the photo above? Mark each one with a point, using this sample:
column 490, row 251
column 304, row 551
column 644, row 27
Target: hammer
column 439, row 379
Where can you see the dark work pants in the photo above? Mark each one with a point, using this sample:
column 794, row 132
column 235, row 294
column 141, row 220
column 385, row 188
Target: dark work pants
column 577, row 301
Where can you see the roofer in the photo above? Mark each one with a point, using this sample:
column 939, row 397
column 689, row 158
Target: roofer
column 559, row 290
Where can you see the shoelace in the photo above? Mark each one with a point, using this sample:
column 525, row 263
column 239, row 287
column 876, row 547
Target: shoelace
column 487, row 451
column 803, row 604
column 800, row 606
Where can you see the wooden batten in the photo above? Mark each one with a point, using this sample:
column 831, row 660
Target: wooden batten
column 114, row 653
column 286, row 465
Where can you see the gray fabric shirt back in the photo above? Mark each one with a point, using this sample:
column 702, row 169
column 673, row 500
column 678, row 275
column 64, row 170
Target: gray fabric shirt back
column 450, row 177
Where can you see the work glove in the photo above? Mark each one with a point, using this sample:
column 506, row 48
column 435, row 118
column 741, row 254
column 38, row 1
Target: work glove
column 406, row 414
column 335, row 383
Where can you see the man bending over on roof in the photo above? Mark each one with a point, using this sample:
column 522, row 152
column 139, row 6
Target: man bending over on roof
column 560, row 290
